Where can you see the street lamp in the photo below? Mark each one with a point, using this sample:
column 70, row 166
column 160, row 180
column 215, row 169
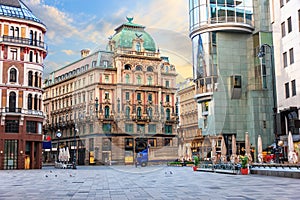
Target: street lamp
column 261, row 54
column 58, row 135
column 74, row 150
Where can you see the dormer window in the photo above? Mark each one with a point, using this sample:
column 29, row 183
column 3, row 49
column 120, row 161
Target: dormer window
column 138, row 47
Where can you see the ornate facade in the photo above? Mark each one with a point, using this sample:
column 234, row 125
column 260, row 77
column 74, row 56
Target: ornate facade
column 21, row 67
column 120, row 100
column 190, row 138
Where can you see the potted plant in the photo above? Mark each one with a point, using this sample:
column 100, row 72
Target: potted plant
column 196, row 163
column 244, row 165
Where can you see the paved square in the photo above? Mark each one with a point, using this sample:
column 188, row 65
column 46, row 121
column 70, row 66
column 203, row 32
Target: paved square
column 152, row 182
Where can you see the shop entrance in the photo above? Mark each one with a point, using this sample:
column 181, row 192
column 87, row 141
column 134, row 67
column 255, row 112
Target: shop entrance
column 11, row 154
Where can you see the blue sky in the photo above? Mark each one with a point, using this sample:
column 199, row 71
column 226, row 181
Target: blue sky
column 73, row 25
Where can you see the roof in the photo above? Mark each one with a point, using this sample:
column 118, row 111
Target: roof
column 129, row 31
column 17, row 9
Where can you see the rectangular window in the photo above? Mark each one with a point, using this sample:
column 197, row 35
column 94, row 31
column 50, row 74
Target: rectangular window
column 167, row 84
column 128, row 143
column 105, row 63
column 291, row 52
column 91, row 144
column 106, row 79
column 290, row 28
column 31, row 127
column 94, row 63
column 168, row 129
column 294, row 88
column 149, row 97
column 106, row 144
column 12, row 126
column 282, row 29
column 287, row 90
column 152, row 142
column 138, row 96
column 106, row 95
column 127, row 96
column 152, row 128
column 167, row 98
column 106, row 128
column 13, row 54
column 128, row 128
column 284, row 59
column 91, row 128
column 167, row 142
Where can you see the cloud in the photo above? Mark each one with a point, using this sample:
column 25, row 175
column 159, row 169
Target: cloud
column 69, row 52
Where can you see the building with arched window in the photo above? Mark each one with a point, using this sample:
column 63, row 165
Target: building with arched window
column 124, row 105
column 22, row 53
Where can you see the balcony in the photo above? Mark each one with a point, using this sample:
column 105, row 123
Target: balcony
column 24, row 41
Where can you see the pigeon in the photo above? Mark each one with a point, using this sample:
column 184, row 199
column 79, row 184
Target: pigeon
column 55, row 175
column 50, row 171
column 46, row 175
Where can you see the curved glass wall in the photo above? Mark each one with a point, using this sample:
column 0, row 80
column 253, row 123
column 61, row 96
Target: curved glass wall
column 207, row 12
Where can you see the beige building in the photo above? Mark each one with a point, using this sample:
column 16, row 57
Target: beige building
column 189, row 135
column 121, row 101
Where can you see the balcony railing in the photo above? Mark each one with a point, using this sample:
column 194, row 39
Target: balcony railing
column 24, row 41
column 22, row 111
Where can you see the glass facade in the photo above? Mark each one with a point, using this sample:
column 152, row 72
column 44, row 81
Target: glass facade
column 205, row 12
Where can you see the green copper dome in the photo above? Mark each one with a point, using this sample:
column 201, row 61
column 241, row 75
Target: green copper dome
column 129, row 31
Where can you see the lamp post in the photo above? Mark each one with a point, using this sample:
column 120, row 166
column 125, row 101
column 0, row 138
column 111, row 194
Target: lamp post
column 74, row 150
column 261, row 54
column 58, row 135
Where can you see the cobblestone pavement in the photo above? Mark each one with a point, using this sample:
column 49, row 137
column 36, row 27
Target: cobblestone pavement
column 152, row 182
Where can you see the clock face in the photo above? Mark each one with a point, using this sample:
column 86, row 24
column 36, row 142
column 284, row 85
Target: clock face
column 58, row 134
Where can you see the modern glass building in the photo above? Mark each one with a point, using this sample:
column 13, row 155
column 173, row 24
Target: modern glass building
column 234, row 89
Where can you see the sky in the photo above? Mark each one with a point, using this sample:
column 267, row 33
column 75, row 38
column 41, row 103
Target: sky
column 73, row 25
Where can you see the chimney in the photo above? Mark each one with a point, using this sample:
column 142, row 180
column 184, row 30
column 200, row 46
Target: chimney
column 84, row 53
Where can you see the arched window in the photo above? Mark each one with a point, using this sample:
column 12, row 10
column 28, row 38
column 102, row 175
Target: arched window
column 168, row 114
column 106, row 112
column 36, row 79
column 139, row 68
column 30, row 78
column 127, row 77
column 149, row 80
column 13, row 75
column 139, row 80
column 138, row 47
column 29, row 102
column 35, row 102
column 139, row 113
column 149, row 69
column 12, row 102
column 127, row 113
column 127, row 67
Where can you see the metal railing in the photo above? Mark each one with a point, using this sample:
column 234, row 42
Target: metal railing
column 24, row 41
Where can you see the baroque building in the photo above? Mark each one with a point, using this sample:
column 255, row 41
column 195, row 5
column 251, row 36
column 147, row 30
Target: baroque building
column 235, row 89
column 113, row 103
column 22, row 54
column 189, row 135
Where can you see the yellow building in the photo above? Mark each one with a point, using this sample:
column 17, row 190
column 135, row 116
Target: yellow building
column 120, row 100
